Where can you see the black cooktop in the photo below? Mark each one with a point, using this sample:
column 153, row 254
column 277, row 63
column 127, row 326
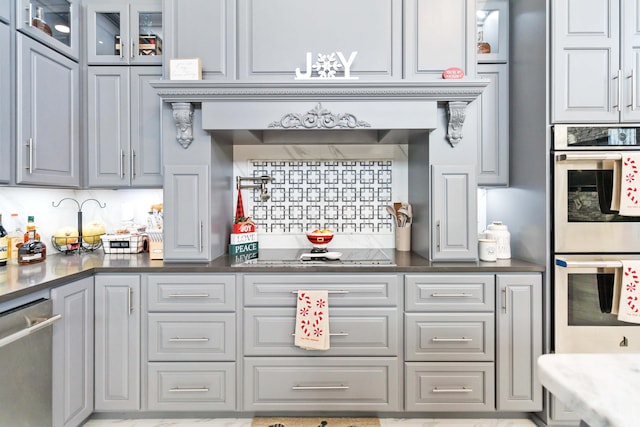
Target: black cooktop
column 364, row 256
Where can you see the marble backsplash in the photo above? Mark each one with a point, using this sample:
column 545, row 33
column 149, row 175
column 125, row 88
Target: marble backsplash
column 119, row 206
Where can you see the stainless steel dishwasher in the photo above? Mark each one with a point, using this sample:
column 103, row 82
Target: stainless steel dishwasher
column 25, row 365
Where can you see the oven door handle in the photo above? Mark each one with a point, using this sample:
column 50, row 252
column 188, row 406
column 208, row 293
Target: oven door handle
column 588, row 156
column 561, row 262
column 30, row 330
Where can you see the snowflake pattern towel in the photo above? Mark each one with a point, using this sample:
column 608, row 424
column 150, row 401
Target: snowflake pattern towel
column 312, row 320
column 629, row 308
column 630, row 185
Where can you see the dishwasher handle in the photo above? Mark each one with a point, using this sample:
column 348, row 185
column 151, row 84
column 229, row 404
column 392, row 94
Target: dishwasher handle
column 30, row 330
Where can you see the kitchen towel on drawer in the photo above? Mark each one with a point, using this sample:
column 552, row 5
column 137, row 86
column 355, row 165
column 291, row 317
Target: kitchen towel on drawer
column 312, row 320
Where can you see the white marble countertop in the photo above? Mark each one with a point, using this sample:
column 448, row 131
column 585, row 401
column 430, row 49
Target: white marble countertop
column 603, row 389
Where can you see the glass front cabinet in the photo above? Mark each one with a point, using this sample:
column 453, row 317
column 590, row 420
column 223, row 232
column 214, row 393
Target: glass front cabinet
column 124, row 32
column 53, row 22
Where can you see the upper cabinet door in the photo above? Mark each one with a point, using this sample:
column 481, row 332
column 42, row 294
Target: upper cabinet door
column 587, row 78
column 124, row 32
column 275, row 37
column 48, row 125
column 492, row 18
column 5, row 106
column 210, row 23
column 53, row 22
column 439, row 34
column 5, row 10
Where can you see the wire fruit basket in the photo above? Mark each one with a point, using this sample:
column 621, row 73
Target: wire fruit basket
column 76, row 243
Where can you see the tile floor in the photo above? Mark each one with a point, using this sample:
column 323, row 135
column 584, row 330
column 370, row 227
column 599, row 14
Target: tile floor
column 246, row 422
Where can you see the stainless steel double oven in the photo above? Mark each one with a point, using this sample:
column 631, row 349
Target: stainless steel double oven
column 590, row 239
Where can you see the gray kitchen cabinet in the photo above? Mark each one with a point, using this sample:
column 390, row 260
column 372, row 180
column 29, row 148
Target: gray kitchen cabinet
column 5, row 105
column 191, row 342
column 55, row 23
column 274, row 52
column 117, row 342
column 124, row 142
column 5, row 12
column 361, row 371
column 124, row 32
column 205, row 22
column 595, row 61
column 519, row 341
column 348, row 383
column 493, row 144
column 186, row 213
column 48, row 112
column 453, row 227
column 267, row 52
column 73, row 353
column 449, row 342
column 438, row 34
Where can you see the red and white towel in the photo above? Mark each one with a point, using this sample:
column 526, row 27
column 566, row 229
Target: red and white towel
column 629, row 185
column 312, row 320
column 629, row 307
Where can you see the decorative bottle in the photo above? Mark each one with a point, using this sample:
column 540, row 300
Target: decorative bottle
column 32, row 250
column 31, row 233
column 15, row 238
column 38, row 22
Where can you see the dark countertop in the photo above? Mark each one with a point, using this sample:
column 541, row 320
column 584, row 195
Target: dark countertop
column 59, row 269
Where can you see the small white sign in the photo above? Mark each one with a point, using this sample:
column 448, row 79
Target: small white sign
column 327, row 67
column 185, row 69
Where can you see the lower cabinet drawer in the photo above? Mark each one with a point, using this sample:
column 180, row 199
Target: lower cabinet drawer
column 193, row 386
column 352, row 332
column 434, row 386
column 191, row 336
column 331, row 383
column 444, row 337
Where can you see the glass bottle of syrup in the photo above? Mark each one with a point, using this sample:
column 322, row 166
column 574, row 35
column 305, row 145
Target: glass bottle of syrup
column 32, row 250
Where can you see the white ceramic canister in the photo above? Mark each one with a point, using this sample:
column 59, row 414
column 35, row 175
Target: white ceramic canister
column 487, row 250
column 500, row 233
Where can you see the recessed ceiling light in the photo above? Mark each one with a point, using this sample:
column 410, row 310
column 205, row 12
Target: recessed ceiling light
column 62, row 28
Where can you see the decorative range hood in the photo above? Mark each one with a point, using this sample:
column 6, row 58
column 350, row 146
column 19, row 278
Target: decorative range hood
column 347, row 112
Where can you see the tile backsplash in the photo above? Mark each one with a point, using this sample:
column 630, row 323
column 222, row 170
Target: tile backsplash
column 346, row 196
column 342, row 188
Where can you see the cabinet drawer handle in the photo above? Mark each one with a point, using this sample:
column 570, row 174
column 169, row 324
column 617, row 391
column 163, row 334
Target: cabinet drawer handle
column 320, row 387
column 461, row 339
column 122, row 156
column 330, row 292
column 178, row 339
column 458, row 295
column 188, row 295
column 30, row 156
column 618, row 105
column 452, row 390
column 189, row 390
column 29, row 10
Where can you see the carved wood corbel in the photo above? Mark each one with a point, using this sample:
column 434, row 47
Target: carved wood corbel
column 456, row 112
column 183, row 116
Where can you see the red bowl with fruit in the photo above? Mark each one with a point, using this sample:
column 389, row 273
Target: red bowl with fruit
column 320, row 237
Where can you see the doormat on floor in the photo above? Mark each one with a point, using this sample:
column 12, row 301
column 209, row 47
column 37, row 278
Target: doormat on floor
column 314, row 422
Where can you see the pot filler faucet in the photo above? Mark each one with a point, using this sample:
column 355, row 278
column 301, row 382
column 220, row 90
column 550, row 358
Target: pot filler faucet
column 259, row 182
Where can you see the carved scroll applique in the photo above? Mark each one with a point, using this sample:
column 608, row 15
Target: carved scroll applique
column 183, row 116
column 319, row 118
